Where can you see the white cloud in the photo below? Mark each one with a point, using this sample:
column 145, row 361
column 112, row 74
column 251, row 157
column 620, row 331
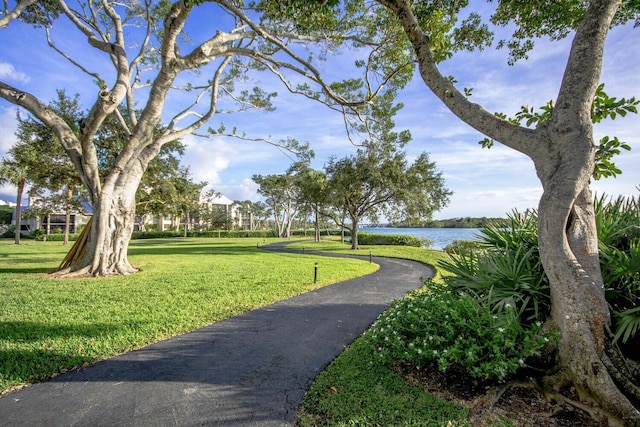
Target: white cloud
column 244, row 190
column 207, row 158
column 8, row 127
column 8, row 72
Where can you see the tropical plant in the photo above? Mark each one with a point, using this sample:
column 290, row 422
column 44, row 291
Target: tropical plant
column 506, row 268
column 618, row 224
column 506, row 271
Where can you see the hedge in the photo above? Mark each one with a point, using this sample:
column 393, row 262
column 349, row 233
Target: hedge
column 388, row 239
column 210, row 233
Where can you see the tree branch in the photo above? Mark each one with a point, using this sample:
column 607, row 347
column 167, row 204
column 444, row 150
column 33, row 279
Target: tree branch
column 11, row 15
column 89, row 175
column 513, row 136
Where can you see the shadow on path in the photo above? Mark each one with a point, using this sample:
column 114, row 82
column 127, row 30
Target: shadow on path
column 252, row 369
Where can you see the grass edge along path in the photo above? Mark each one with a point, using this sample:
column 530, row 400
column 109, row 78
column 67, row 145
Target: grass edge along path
column 356, row 389
column 49, row 326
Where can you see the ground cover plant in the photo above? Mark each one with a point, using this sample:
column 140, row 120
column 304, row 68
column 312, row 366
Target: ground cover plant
column 48, row 326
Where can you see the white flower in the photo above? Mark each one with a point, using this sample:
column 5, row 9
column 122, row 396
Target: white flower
column 419, row 351
column 507, row 305
column 501, row 329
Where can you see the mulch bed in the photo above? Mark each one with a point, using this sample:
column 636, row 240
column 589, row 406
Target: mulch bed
column 522, row 402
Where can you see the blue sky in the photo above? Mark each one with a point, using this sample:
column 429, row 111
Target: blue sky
column 484, row 182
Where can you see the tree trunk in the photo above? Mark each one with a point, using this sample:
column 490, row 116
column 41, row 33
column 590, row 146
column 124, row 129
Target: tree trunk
column 563, row 152
column 354, row 233
column 276, row 219
column 105, row 251
column 317, row 223
column 186, row 224
column 19, row 211
column 568, row 242
column 67, row 218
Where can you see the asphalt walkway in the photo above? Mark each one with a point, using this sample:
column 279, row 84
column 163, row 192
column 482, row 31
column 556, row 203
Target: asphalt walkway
column 249, row 370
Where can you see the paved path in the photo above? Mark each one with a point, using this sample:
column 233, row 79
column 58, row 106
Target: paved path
column 249, row 370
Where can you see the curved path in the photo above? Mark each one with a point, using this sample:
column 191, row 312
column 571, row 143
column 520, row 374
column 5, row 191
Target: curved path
column 252, row 369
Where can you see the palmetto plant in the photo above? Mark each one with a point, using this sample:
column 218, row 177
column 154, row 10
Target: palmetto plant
column 507, row 268
column 619, row 239
column 507, row 271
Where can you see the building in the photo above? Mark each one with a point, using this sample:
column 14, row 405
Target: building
column 216, row 209
column 55, row 221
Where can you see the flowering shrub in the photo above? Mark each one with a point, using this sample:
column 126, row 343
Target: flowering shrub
column 456, row 332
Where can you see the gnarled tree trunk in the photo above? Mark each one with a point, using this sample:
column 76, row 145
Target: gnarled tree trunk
column 105, row 250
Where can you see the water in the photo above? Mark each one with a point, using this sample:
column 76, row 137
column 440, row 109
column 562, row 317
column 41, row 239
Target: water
column 440, row 237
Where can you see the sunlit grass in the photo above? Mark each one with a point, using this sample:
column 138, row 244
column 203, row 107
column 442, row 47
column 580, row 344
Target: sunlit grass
column 333, row 244
column 48, row 326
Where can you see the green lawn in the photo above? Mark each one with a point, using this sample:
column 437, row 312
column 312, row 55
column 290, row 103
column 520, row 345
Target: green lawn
column 48, row 326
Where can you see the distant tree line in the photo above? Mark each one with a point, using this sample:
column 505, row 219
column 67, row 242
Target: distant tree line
column 466, row 222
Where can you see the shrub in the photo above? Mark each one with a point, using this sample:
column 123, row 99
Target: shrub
column 457, row 332
column 58, row 237
column 389, row 239
column 37, row 234
column 206, row 233
column 508, row 271
column 618, row 224
column 156, row 234
column 10, row 232
column 464, row 246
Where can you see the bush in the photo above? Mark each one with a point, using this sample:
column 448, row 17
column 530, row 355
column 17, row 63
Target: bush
column 389, row 239
column 59, row 237
column 37, row 234
column 10, row 232
column 464, row 246
column 618, row 224
column 457, row 332
column 156, row 234
column 507, row 271
column 208, row 233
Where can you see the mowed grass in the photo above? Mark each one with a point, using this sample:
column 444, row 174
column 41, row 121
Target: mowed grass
column 356, row 389
column 333, row 244
column 49, row 326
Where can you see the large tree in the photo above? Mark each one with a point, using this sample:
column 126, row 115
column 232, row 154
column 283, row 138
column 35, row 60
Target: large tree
column 52, row 175
column 380, row 182
column 563, row 151
column 140, row 55
column 282, row 195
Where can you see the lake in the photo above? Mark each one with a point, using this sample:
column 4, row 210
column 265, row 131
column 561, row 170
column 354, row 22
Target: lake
column 440, row 237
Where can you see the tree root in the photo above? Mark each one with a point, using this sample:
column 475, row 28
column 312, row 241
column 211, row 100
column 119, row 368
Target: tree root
column 68, row 273
column 622, row 373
